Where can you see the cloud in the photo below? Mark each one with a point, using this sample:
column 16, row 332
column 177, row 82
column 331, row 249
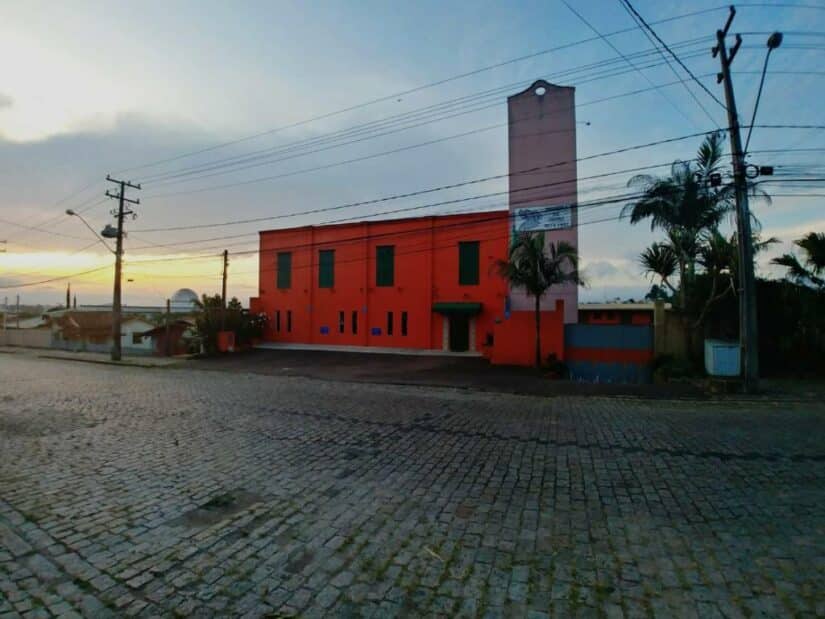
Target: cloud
column 5, row 101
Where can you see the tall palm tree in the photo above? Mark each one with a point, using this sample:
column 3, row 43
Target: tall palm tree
column 535, row 268
column 686, row 207
column 813, row 247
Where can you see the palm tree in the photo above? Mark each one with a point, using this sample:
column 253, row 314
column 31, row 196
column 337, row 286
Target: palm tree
column 660, row 260
column 536, row 268
column 686, row 208
column 813, row 246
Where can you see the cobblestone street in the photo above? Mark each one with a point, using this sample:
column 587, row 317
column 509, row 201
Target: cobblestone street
column 180, row 492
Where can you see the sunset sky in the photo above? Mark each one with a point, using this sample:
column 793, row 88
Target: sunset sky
column 131, row 88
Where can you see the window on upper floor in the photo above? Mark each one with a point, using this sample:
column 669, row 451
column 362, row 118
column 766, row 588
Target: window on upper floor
column 326, row 268
column 284, row 280
column 385, row 265
column 468, row 258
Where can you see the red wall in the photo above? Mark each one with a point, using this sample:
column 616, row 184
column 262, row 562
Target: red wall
column 616, row 317
column 515, row 338
column 426, row 272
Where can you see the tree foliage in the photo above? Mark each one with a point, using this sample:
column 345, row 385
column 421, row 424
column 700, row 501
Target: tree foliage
column 690, row 211
column 535, row 268
column 211, row 319
column 810, row 271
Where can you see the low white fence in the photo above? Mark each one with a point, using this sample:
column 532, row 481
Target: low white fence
column 32, row 338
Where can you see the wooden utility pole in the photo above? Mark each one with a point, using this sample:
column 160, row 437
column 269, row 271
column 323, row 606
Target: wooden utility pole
column 17, row 312
column 748, row 333
column 223, row 289
column 166, row 338
column 121, row 212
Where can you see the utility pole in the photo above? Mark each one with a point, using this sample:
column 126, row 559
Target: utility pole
column 223, row 289
column 17, row 312
column 68, row 295
column 748, row 333
column 121, row 212
column 166, row 339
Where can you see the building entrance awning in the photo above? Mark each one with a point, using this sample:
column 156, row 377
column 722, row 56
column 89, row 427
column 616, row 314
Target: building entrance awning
column 457, row 307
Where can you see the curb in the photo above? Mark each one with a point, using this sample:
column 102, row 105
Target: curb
column 104, row 362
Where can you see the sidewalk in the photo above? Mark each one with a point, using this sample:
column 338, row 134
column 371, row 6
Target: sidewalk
column 94, row 357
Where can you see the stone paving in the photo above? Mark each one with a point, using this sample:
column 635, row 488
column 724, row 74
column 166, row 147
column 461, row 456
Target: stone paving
column 166, row 492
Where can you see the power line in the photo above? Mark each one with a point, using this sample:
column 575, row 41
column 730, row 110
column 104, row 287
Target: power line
column 440, row 82
column 670, row 66
column 409, row 91
column 625, row 58
column 454, row 185
column 55, row 279
column 464, row 100
column 672, row 53
column 264, row 269
column 460, row 184
column 264, row 157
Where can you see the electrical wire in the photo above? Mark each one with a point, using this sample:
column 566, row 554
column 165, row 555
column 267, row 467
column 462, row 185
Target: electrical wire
column 466, row 101
column 672, row 53
column 266, row 159
column 409, row 91
column 670, row 66
column 437, row 83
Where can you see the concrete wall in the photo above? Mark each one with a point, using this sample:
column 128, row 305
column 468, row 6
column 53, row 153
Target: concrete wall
column 542, row 135
column 31, row 338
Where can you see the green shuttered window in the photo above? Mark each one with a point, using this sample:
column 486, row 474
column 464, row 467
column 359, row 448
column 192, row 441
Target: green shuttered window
column 284, row 270
column 326, row 268
column 385, row 265
column 468, row 263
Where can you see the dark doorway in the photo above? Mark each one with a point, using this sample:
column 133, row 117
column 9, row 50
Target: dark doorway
column 459, row 332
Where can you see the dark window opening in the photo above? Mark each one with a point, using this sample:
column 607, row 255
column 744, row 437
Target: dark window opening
column 278, row 321
column 341, row 322
column 403, row 323
column 385, row 265
column 468, row 252
column 284, row 270
column 326, row 268
column 289, row 321
column 355, row 323
column 389, row 323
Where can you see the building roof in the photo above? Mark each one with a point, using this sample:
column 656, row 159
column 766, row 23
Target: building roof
column 493, row 214
column 92, row 324
column 181, row 325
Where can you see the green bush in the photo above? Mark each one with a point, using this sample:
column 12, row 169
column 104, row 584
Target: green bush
column 667, row 368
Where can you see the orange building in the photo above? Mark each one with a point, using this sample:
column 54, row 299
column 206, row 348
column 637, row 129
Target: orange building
column 430, row 282
column 419, row 283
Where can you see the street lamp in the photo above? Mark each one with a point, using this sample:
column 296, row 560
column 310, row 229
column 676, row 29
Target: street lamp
column 73, row 213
